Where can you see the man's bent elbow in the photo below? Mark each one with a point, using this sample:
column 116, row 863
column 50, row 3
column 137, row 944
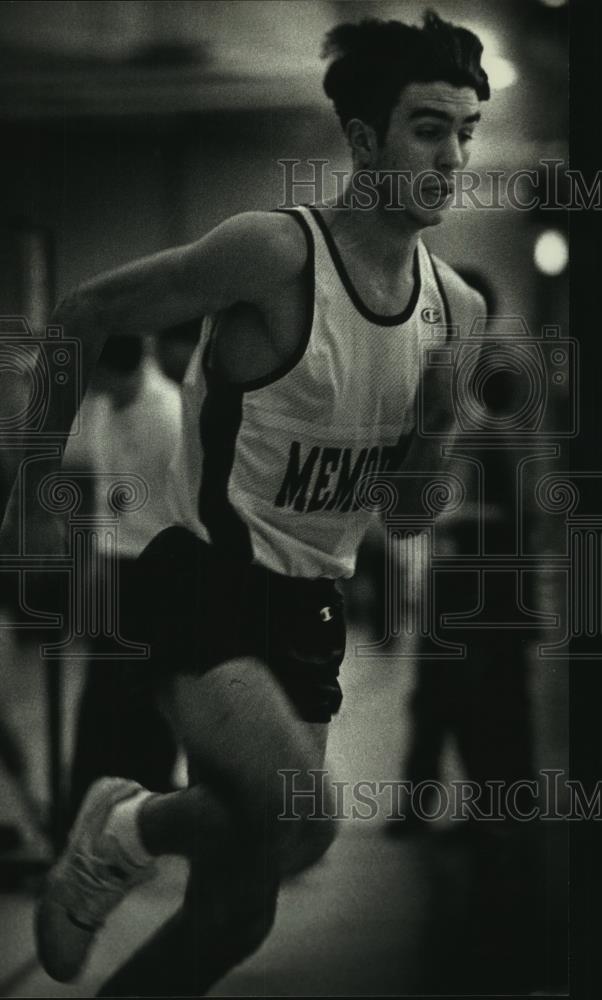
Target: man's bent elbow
column 76, row 310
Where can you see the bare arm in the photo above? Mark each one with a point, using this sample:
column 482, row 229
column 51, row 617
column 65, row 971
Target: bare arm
column 249, row 258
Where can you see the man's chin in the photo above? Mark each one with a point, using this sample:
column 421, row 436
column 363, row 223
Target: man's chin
column 418, row 217
column 425, row 217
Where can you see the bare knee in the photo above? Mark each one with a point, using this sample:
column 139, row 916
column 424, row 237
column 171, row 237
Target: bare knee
column 254, row 932
column 305, row 844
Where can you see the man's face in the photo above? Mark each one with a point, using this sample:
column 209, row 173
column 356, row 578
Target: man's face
column 429, row 134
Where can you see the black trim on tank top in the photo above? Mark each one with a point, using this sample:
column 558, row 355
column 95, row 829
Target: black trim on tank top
column 377, row 318
column 443, row 294
column 310, row 295
column 310, row 283
column 219, row 424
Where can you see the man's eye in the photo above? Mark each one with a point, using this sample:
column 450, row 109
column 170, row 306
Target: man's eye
column 428, row 133
column 466, row 136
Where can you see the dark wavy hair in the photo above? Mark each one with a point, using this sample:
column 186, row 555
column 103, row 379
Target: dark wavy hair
column 373, row 60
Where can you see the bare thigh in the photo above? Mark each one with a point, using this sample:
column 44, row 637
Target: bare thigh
column 243, row 737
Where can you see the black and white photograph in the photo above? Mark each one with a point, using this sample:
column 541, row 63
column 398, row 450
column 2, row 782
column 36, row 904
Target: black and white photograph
column 300, row 551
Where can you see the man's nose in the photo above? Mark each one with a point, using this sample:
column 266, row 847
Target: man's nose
column 451, row 156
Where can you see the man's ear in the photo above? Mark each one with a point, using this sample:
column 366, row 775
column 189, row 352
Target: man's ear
column 362, row 142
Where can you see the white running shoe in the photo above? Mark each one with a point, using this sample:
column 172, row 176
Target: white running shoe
column 86, row 884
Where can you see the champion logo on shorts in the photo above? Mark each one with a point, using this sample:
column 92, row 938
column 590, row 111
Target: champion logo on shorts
column 430, row 315
column 326, row 614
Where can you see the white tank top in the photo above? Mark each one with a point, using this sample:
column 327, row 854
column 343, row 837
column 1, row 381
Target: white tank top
column 268, row 470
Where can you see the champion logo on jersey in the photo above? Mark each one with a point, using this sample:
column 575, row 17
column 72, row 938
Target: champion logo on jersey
column 430, row 315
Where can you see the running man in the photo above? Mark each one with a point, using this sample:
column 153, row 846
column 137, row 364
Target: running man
column 304, row 381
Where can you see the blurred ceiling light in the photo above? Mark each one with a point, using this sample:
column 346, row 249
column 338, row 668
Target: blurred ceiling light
column 501, row 72
column 551, row 253
column 553, row 3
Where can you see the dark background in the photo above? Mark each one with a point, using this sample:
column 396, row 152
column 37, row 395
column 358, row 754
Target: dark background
column 130, row 127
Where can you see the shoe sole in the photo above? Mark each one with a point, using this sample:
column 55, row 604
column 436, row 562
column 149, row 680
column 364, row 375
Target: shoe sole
column 98, row 803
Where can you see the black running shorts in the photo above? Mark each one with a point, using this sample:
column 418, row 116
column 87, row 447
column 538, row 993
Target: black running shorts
column 196, row 609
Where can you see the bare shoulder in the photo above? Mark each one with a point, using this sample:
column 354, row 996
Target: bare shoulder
column 272, row 239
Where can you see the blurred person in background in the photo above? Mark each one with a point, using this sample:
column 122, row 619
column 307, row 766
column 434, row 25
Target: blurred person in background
column 13, row 399
column 305, row 379
column 130, row 422
column 481, row 702
column 174, row 349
